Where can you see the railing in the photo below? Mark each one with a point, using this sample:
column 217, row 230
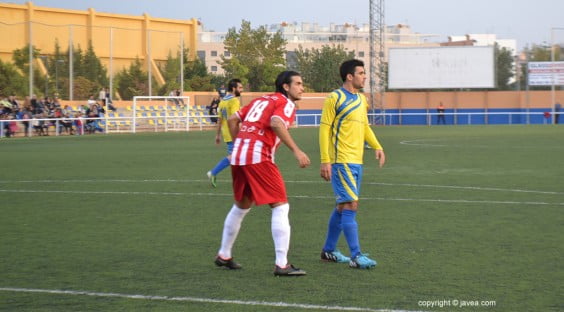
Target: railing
column 92, row 125
column 84, row 125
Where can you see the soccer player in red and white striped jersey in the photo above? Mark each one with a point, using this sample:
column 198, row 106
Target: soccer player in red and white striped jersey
column 258, row 129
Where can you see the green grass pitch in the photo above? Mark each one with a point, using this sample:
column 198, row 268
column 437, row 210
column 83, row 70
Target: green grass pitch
column 459, row 216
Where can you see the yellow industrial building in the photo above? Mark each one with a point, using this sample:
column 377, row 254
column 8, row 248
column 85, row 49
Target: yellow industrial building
column 117, row 39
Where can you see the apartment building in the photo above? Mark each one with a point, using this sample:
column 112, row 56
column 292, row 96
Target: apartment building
column 311, row 35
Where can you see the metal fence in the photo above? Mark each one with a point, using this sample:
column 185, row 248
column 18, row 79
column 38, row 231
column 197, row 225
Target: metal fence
column 54, row 71
column 120, row 123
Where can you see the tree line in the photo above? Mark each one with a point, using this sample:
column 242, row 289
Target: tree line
column 256, row 57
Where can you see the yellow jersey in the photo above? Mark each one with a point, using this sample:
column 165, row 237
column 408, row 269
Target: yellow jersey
column 227, row 107
column 344, row 128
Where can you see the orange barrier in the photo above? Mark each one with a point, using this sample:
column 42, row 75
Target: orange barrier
column 401, row 100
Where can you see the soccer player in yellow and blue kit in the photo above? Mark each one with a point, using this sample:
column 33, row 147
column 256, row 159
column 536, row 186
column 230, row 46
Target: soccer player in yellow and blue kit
column 343, row 131
column 228, row 106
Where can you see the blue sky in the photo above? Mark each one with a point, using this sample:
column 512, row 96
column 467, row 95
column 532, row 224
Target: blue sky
column 529, row 22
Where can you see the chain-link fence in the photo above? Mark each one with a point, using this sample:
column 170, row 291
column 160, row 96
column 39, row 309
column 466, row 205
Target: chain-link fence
column 74, row 61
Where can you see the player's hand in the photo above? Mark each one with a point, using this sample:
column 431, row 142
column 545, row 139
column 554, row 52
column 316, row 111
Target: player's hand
column 325, row 171
column 303, row 159
column 217, row 139
column 381, row 157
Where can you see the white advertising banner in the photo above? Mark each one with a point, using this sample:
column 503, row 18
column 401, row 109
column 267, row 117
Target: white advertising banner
column 546, row 73
column 441, row 67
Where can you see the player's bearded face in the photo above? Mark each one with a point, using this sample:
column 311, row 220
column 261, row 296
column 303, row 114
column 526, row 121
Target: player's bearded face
column 296, row 88
column 238, row 90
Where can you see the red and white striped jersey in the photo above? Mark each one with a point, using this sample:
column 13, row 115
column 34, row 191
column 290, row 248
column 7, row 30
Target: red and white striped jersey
column 256, row 142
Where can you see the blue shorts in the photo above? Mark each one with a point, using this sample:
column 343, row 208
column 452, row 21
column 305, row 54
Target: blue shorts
column 229, row 147
column 345, row 179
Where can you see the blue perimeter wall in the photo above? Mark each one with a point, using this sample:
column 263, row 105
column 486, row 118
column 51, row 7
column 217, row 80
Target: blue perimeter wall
column 476, row 117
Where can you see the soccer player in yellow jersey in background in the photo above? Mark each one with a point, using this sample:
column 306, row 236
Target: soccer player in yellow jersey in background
column 228, row 106
column 343, row 131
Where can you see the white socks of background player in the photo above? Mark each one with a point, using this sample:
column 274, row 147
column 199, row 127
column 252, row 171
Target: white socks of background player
column 281, row 233
column 231, row 230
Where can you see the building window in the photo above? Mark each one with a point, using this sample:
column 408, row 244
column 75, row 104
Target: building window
column 214, row 68
column 360, row 53
column 202, row 55
column 291, row 60
column 227, row 54
column 213, row 53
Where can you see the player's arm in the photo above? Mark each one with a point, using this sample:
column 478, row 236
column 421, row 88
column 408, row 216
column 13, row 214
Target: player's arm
column 218, row 132
column 327, row 117
column 233, row 123
column 279, row 128
column 219, row 124
column 372, row 141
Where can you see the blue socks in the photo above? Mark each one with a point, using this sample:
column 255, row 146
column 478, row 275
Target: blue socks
column 333, row 231
column 350, row 229
column 222, row 164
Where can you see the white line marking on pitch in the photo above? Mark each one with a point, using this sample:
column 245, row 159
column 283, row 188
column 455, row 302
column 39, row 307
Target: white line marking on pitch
column 458, row 201
column 194, row 299
column 421, row 142
column 474, row 188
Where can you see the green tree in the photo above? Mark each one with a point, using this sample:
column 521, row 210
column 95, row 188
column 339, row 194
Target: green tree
column 199, row 83
column 320, row 67
column 256, row 56
column 539, row 53
column 194, row 68
column 77, row 62
column 218, row 80
column 57, row 68
column 196, row 76
column 93, row 69
column 504, row 67
column 11, row 81
column 21, row 62
column 132, row 81
column 82, row 87
column 171, row 74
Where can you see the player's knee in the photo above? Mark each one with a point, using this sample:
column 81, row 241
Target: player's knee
column 274, row 205
column 347, row 206
column 244, row 204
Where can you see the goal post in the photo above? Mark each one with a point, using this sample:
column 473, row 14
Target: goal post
column 168, row 113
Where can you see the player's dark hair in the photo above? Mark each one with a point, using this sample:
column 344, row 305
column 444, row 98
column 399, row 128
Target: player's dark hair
column 348, row 67
column 232, row 85
column 283, row 78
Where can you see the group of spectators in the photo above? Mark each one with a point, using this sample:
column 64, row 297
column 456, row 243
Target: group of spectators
column 38, row 115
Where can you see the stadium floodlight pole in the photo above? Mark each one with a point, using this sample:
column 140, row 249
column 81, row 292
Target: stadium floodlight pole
column 30, row 60
column 182, row 63
column 111, row 67
column 71, row 66
column 149, row 71
column 527, row 88
column 109, row 96
column 57, row 75
column 44, row 58
column 553, row 74
column 372, row 36
column 377, row 27
column 552, row 58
